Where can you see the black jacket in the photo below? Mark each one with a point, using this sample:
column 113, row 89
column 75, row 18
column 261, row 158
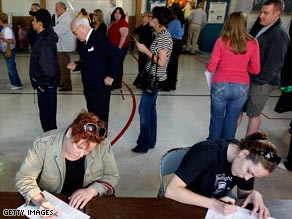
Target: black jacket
column 44, row 68
column 273, row 47
column 101, row 58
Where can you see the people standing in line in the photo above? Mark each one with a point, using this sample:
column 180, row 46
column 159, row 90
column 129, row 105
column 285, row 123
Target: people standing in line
column 98, row 23
column 146, row 37
column 235, row 55
column 83, row 13
column 7, row 38
column 79, row 44
column 273, row 40
column 187, row 10
column 32, row 34
column 197, row 20
column 118, row 35
column 176, row 28
column 99, row 67
column 44, row 69
column 77, row 161
column 66, row 44
column 159, row 54
column 210, row 170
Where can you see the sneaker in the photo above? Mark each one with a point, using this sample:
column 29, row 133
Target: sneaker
column 281, row 166
column 15, row 87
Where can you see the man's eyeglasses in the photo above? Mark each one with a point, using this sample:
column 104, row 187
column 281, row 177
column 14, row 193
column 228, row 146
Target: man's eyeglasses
column 269, row 156
column 93, row 128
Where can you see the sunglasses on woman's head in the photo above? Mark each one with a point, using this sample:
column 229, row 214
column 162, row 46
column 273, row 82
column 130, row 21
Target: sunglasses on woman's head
column 93, row 128
column 269, row 156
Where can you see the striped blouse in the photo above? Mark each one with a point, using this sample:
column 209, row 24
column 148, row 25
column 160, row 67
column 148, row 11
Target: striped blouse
column 162, row 41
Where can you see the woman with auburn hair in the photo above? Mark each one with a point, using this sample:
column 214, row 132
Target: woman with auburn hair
column 234, row 56
column 77, row 161
column 211, row 169
column 98, row 24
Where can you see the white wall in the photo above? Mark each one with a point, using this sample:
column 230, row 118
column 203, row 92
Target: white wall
column 237, row 5
column 22, row 7
column 17, row 7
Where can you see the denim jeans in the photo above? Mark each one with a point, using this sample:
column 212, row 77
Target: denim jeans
column 148, row 121
column 12, row 71
column 227, row 100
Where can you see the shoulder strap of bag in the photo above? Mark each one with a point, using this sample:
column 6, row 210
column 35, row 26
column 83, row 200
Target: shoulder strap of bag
column 156, row 66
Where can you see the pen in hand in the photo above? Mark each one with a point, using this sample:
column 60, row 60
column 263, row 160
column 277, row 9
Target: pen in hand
column 227, row 200
column 40, row 204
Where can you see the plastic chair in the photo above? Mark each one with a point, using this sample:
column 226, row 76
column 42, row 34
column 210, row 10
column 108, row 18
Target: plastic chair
column 168, row 164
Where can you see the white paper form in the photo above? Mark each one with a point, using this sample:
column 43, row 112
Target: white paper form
column 209, row 77
column 64, row 210
column 241, row 213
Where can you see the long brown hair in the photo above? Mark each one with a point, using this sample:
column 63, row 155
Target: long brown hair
column 260, row 150
column 234, row 30
column 99, row 14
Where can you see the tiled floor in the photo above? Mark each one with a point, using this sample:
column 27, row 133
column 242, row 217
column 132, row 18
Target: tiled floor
column 183, row 119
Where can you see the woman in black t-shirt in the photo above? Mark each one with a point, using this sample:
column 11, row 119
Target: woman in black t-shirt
column 212, row 168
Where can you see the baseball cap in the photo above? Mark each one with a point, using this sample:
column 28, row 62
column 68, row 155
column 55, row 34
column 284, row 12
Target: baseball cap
column 42, row 15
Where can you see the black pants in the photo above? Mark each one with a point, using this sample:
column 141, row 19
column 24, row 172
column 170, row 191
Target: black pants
column 290, row 148
column 142, row 61
column 47, row 102
column 98, row 100
column 118, row 81
column 173, row 65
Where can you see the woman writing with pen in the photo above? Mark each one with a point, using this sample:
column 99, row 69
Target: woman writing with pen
column 211, row 169
column 77, row 161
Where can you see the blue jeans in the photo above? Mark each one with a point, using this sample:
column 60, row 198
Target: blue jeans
column 12, row 71
column 148, row 121
column 227, row 100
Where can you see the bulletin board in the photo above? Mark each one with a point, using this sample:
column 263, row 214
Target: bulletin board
column 153, row 3
column 258, row 4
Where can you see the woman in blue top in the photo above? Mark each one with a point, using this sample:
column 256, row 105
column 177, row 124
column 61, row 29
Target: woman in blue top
column 176, row 28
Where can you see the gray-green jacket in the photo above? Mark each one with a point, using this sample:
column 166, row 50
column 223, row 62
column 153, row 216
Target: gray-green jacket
column 44, row 167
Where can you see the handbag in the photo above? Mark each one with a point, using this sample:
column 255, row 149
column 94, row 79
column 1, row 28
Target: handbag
column 8, row 53
column 149, row 82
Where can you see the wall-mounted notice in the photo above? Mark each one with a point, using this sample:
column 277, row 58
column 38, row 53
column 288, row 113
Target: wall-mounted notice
column 217, row 12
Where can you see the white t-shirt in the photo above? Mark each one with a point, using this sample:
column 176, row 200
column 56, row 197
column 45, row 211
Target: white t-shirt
column 7, row 33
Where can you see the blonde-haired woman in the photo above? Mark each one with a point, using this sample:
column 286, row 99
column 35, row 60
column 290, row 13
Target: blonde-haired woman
column 234, row 56
column 98, row 23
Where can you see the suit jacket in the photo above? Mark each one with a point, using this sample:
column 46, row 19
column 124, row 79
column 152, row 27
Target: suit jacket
column 100, row 59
